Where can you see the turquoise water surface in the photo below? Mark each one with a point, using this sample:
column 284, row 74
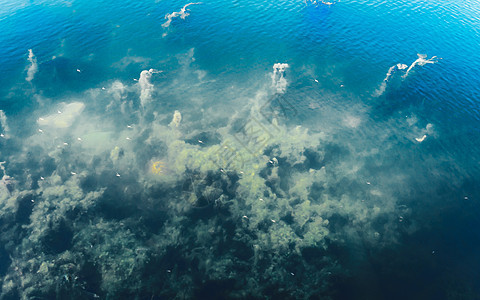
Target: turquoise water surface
column 239, row 149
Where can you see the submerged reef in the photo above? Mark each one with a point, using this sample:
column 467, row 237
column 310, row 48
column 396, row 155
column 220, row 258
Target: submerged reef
column 141, row 201
column 156, row 150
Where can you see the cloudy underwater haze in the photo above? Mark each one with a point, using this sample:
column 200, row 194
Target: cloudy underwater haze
column 239, row 150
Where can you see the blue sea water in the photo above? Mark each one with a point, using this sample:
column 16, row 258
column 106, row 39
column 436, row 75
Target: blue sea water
column 377, row 199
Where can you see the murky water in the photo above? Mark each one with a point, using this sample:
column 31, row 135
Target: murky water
column 224, row 150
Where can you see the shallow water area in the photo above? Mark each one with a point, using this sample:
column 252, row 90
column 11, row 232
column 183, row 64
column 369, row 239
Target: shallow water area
column 239, row 150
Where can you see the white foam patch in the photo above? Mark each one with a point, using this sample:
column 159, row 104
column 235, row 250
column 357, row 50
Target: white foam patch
column 390, row 72
column 64, row 117
column 177, row 118
column 6, row 182
column 421, row 139
column 3, row 123
column 183, row 13
column 279, row 82
column 426, row 132
column 421, row 61
column 33, row 68
column 146, row 87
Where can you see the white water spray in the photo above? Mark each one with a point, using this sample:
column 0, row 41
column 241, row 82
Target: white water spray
column 421, row 61
column 183, row 13
column 177, row 118
column 146, row 87
column 390, row 72
column 3, row 123
column 33, row 68
column 278, row 77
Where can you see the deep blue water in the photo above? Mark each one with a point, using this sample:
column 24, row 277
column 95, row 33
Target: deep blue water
column 378, row 200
